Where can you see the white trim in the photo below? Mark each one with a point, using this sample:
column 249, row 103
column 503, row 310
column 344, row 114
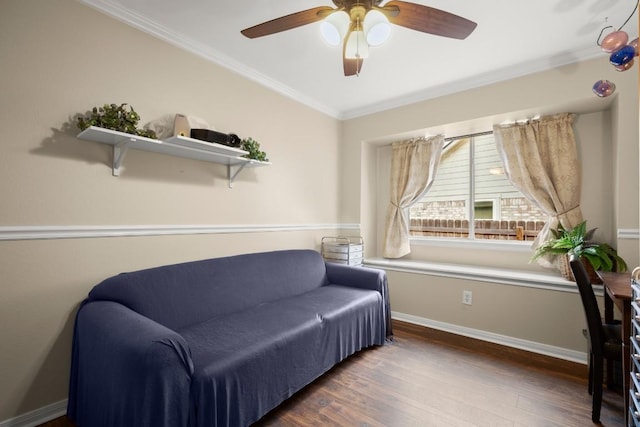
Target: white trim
column 170, row 36
column 58, row 409
column 475, row 81
column 129, row 17
column 499, row 245
column 628, row 233
column 479, row 244
column 535, row 347
column 38, row 416
column 22, row 232
column 529, row 279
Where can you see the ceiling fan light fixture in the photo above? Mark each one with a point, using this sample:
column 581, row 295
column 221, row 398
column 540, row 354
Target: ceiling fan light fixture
column 334, row 27
column 357, row 47
column 376, row 27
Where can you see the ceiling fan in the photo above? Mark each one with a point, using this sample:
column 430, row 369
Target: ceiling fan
column 359, row 24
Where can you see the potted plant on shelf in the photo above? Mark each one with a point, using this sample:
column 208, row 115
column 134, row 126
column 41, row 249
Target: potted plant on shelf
column 253, row 147
column 122, row 118
column 578, row 241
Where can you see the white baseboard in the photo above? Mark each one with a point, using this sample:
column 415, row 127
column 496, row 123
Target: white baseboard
column 534, row 347
column 55, row 410
column 38, row 416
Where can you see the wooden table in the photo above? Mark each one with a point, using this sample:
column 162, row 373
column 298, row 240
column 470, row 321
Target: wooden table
column 617, row 288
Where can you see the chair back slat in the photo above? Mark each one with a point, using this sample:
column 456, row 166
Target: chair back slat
column 589, row 303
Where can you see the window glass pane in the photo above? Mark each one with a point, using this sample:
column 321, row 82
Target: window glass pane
column 499, row 211
column 444, row 211
column 483, row 210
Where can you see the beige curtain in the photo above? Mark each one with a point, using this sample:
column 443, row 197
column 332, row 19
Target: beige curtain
column 413, row 167
column 541, row 160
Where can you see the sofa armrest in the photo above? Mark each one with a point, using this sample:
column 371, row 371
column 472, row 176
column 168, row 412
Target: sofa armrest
column 126, row 367
column 363, row 278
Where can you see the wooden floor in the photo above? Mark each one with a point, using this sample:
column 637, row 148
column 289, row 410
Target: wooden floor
column 428, row 378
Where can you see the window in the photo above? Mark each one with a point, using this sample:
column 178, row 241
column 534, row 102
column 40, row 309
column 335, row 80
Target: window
column 483, row 209
column 471, row 197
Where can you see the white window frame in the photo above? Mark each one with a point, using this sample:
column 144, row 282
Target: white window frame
column 505, row 245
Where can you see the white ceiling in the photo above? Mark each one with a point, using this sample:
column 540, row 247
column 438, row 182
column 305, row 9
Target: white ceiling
column 513, row 38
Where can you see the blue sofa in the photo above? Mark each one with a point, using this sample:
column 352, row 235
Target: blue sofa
column 218, row 342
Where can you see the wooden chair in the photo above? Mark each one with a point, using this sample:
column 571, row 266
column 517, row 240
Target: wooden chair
column 605, row 340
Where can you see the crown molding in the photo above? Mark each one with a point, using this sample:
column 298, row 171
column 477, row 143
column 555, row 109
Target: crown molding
column 478, row 80
column 133, row 19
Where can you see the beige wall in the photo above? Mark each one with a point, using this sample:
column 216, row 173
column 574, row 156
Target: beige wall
column 60, row 58
column 607, row 136
column 564, row 89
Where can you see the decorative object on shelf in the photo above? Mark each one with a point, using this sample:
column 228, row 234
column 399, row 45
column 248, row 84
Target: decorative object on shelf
column 253, row 147
column 622, row 54
column 121, row 118
column 359, row 24
column 169, row 125
column 343, row 250
column 209, row 135
column 578, row 241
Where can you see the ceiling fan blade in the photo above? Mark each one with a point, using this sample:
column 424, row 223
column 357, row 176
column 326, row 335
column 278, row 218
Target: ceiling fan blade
column 427, row 19
column 287, row 22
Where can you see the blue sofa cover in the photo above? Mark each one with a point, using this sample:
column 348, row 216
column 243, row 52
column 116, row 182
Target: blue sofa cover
column 218, row 342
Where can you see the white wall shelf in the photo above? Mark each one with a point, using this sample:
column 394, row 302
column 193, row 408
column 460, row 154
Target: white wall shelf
column 179, row 146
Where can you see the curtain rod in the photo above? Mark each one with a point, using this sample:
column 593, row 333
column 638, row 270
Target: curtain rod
column 453, row 138
column 469, row 135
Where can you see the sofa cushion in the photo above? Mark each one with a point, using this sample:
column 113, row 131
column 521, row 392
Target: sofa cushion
column 246, row 363
column 188, row 293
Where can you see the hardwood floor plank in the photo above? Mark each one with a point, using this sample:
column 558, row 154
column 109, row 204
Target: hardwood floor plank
column 429, row 378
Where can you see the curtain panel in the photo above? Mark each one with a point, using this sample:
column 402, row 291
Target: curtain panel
column 414, row 164
column 541, row 160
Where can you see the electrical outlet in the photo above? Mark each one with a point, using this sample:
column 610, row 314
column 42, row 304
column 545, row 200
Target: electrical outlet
column 467, row 297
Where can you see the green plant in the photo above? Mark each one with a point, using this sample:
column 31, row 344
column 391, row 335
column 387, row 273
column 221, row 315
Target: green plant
column 253, row 147
column 121, row 117
column 578, row 241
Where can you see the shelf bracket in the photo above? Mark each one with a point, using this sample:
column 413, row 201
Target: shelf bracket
column 119, row 151
column 234, row 170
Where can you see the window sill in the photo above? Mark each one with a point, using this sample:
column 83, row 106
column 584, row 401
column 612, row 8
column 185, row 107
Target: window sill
column 481, row 244
column 529, row 279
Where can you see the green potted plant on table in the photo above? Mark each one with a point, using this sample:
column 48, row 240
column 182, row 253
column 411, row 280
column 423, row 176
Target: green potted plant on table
column 578, row 241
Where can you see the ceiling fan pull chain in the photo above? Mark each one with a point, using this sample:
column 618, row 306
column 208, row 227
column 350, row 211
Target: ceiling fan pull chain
column 358, row 41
